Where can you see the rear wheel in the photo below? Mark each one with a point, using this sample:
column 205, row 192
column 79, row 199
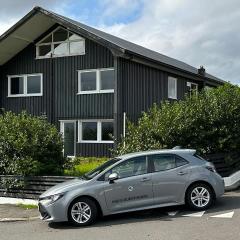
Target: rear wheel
column 199, row 196
column 82, row 212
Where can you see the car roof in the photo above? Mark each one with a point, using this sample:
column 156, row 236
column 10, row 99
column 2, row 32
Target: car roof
column 161, row 151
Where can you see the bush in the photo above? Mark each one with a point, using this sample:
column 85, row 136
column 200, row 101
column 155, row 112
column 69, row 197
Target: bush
column 82, row 165
column 29, row 145
column 208, row 122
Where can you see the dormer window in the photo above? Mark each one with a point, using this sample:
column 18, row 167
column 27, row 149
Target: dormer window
column 60, row 43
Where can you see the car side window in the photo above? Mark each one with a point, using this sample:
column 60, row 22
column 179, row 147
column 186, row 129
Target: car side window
column 162, row 162
column 180, row 162
column 132, row 167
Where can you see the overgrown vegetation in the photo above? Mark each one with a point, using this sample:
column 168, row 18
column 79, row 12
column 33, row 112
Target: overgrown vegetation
column 29, row 146
column 79, row 166
column 27, row 206
column 208, row 122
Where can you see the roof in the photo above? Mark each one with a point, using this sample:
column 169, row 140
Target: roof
column 19, row 36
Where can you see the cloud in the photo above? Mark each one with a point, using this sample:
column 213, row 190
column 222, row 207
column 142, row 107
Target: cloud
column 204, row 33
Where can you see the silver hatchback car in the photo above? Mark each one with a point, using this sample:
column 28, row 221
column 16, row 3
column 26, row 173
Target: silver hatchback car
column 134, row 182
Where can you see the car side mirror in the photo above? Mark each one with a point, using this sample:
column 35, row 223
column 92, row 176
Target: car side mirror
column 112, row 177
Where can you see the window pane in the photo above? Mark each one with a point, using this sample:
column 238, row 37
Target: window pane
column 44, row 50
column 34, row 84
column 48, row 39
column 180, row 162
column 69, row 140
column 77, row 47
column 60, row 49
column 60, row 35
column 107, row 79
column 17, row 85
column 133, row 167
column 107, row 131
column 88, row 81
column 74, row 37
column 89, row 131
column 162, row 163
column 172, row 87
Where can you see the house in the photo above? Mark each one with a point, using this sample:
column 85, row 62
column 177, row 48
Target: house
column 86, row 81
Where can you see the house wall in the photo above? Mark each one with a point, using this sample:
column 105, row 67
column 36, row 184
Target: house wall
column 60, row 85
column 140, row 86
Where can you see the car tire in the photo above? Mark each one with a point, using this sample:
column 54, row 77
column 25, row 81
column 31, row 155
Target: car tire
column 199, row 196
column 82, row 212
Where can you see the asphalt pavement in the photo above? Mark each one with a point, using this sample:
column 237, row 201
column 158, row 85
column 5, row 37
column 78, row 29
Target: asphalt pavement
column 221, row 222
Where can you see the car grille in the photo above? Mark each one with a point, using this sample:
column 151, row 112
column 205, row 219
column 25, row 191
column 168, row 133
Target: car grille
column 44, row 214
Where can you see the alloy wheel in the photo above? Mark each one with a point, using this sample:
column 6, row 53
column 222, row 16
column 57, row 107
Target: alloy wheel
column 200, row 197
column 81, row 212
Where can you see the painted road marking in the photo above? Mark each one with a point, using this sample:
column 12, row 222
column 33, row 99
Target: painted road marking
column 224, row 215
column 172, row 214
column 197, row 214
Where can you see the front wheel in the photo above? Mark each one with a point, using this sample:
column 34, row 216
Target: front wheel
column 82, row 212
column 199, row 196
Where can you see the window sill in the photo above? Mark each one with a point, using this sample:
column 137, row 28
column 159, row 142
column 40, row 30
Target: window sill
column 173, row 98
column 95, row 92
column 29, row 95
column 59, row 56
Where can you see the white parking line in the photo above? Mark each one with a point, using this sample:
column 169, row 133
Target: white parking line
column 224, row 215
column 197, row 214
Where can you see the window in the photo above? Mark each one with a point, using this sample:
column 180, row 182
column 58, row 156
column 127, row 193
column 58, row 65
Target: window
column 96, row 81
column 25, row 85
column 60, row 43
column 166, row 162
column 192, row 88
column 172, row 87
column 95, row 131
column 129, row 168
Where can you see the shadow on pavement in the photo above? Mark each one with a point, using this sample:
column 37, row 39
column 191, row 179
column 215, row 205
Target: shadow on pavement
column 229, row 202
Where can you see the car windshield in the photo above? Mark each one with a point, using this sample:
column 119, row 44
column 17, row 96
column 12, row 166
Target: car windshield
column 96, row 171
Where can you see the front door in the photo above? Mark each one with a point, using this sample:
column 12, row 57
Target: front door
column 68, row 129
column 170, row 176
column 133, row 189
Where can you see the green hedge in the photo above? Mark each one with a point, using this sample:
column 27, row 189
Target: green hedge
column 29, row 145
column 208, row 122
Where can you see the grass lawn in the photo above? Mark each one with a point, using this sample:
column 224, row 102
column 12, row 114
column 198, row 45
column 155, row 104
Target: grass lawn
column 84, row 165
column 27, row 206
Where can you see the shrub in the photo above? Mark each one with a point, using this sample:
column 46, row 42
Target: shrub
column 208, row 122
column 29, row 145
column 81, row 165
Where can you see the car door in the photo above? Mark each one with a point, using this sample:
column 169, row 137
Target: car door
column 133, row 189
column 170, row 176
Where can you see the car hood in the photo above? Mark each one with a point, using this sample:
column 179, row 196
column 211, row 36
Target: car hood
column 64, row 187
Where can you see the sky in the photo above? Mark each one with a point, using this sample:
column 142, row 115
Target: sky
column 197, row 32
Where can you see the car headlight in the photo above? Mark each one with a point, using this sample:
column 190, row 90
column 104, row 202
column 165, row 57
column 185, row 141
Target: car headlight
column 51, row 199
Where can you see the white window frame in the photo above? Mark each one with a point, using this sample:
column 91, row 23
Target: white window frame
column 53, row 43
column 189, row 84
column 98, row 81
column 175, row 84
column 25, row 94
column 99, row 131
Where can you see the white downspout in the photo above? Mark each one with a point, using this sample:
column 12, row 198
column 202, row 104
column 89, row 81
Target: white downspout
column 124, row 127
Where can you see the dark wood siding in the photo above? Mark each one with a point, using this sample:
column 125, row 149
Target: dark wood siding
column 139, row 87
column 60, row 85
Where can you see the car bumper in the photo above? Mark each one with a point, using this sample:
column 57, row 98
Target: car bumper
column 55, row 212
column 219, row 186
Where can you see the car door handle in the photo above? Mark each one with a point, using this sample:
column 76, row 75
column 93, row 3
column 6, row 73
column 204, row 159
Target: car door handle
column 182, row 173
column 145, row 179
